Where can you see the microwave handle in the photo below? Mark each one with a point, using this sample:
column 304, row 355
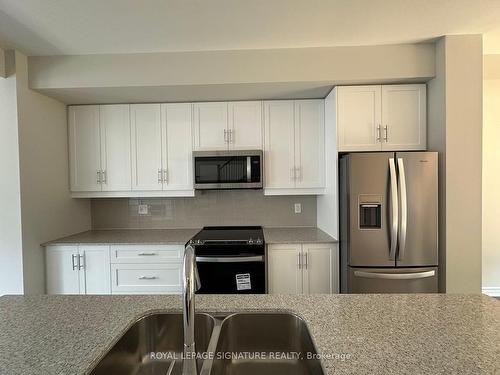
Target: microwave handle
column 249, row 169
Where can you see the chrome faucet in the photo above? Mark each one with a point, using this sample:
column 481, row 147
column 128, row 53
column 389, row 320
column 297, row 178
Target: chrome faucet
column 191, row 283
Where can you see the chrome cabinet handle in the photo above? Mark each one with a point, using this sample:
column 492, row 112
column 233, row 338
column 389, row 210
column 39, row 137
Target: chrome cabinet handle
column 81, row 262
column 147, row 277
column 225, row 136
column 159, row 176
column 146, row 254
column 378, row 133
column 98, row 180
column 299, row 261
column 306, row 260
column 404, row 209
column 386, row 133
column 73, row 264
column 230, row 131
column 395, row 276
column 165, row 176
column 298, row 173
column 394, row 209
column 256, row 258
column 104, row 177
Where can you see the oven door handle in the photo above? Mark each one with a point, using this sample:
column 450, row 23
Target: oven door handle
column 259, row 258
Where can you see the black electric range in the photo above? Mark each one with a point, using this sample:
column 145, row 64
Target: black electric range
column 231, row 260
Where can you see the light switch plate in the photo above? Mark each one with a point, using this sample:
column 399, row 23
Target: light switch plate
column 298, row 208
column 143, row 209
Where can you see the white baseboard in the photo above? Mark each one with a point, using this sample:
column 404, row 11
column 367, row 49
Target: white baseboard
column 492, row 291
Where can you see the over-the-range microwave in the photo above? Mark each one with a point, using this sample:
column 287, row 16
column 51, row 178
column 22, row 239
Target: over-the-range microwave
column 228, row 169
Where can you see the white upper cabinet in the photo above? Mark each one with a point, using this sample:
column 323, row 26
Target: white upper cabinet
column 245, row 125
column 404, row 117
column 211, row 126
column 115, row 147
column 294, row 147
column 310, row 143
column 146, row 147
column 177, row 146
column 359, row 118
column 279, row 136
column 84, row 148
column 381, row 118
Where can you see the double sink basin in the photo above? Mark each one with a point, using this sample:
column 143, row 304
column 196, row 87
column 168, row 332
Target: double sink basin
column 240, row 343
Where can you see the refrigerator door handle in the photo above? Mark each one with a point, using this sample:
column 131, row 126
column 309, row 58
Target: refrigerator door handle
column 395, row 276
column 394, row 209
column 404, row 209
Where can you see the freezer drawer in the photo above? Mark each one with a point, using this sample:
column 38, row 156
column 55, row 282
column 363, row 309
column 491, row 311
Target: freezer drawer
column 393, row 280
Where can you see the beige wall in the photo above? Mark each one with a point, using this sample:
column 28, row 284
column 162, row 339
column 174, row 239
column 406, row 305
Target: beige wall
column 231, row 75
column 491, row 186
column 47, row 210
column 11, row 262
column 455, row 122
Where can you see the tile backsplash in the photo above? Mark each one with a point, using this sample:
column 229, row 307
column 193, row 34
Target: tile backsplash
column 230, row 207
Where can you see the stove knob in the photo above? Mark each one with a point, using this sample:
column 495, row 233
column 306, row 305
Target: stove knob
column 259, row 241
column 250, row 241
column 198, row 242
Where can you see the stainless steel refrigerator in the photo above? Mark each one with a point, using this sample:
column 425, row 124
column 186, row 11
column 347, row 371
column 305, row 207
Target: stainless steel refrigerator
column 389, row 222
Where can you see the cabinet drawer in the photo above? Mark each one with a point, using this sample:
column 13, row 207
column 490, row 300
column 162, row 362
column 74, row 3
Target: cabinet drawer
column 146, row 253
column 146, row 278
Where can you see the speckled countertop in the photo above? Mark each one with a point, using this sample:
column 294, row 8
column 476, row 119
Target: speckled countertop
column 128, row 236
column 382, row 334
column 182, row 236
column 296, row 235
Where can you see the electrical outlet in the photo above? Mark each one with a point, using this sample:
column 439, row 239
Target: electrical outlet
column 143, row 209
column 298, row 208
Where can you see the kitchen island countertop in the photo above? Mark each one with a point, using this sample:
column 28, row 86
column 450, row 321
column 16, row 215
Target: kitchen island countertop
column 359, row 334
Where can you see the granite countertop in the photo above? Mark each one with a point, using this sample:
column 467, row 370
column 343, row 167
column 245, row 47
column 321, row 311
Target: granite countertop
column 128, row 236
column 377, row 334
column 182, row 236
column 296, row 235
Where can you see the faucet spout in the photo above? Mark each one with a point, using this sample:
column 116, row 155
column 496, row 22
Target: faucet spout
column 191, row 283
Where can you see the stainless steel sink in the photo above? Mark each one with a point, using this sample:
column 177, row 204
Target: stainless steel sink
column 265, row 343
column 154, row 346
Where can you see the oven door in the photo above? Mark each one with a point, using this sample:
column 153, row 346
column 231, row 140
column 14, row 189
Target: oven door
column 232, row 275
column 227, row 169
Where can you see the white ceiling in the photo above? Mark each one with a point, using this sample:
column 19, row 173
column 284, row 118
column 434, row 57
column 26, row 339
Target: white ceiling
column 53, row 27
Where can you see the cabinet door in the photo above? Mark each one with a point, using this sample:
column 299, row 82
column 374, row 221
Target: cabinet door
column 279, row 144
column 210, row 126
column 146, row 146
column 283, row 269
column 178, row 146
column 245, row 125
column 404, row 117
column 84, row 148
column 310, row 143
column 115, row 147
column 95, row 277
column 317, row 260
column 62, row 270
column 359, row 118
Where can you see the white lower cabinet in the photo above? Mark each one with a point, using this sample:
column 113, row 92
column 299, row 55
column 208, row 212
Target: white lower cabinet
column 78, row 270
column 115, row 269
column 302, row 268
column 129, row 278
